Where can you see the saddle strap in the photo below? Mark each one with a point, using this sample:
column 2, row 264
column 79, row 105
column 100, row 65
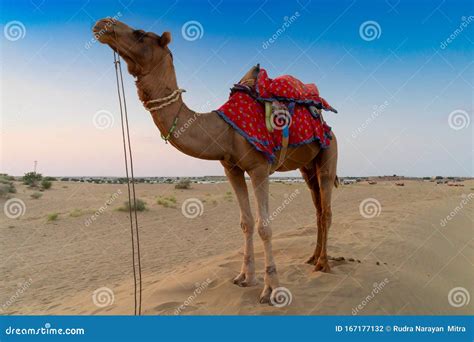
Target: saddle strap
column 284, row 148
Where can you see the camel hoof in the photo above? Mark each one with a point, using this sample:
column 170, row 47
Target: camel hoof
column 242, row 281
column 312, row 260
column 265, row 296
column 322, row 266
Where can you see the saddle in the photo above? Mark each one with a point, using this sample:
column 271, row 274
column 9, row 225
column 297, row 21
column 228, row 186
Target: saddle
column 263, row 110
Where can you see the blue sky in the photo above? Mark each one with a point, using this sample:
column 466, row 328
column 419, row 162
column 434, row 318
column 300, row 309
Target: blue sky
column 54, row 82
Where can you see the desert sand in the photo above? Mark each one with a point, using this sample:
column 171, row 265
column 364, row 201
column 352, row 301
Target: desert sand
column 409, row 259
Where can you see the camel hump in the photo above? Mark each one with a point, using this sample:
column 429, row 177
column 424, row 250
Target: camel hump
column 250, row 77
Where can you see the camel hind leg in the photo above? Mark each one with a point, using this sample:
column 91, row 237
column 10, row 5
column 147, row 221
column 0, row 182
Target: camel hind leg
column 321, row 177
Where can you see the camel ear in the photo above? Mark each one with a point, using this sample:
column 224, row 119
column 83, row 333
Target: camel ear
column 165, row 39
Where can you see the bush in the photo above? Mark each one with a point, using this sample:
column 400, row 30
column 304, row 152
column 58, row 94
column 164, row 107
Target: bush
column 141, row 206
column 76, row 213
column 36, row 195
column 46, row 184
column 32, row 178
column 53, row 217
column 167, row 202
column 183, row 184
column 6, row 185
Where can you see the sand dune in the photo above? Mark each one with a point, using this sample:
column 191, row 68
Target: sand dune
column 409, row 260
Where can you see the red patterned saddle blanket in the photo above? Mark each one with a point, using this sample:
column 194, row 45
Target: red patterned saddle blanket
column 295, row 113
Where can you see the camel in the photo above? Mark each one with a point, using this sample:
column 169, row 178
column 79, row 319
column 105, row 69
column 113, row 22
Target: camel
column 209, row 137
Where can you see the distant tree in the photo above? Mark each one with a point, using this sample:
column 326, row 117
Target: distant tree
column 32, row 178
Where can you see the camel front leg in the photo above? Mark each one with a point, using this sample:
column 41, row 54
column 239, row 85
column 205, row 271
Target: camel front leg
column 260, row 185
column 247, row 273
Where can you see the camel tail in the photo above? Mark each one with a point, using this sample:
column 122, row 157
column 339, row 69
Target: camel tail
column 336, row 182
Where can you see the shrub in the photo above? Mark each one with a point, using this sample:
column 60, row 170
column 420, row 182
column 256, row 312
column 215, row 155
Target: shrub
column 76, row 213
column 46, row 184
column 141, row 206
column 53, row 217
column 183, row 184
column 36, row 195
column 32, row 178
column 167, row 202
column 6, row 185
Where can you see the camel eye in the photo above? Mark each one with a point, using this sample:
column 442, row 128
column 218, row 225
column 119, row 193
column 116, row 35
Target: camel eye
column 139, row 35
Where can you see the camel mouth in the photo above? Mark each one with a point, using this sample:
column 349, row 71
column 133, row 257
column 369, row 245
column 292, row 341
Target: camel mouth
column 103, row 29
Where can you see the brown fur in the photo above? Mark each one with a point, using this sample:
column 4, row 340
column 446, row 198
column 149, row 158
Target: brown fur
column 209, row 137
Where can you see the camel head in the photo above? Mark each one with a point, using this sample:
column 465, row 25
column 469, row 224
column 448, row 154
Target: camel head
column 142, row 51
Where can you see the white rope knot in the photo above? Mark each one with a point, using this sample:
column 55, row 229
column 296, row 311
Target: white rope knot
column 165, row 101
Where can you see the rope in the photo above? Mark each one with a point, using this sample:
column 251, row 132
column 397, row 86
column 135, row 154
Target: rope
column 137, row 276
column 173, row 97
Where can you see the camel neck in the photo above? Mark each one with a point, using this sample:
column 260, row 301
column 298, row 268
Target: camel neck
column 191, row 133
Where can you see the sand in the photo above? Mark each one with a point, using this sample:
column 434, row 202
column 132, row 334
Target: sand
column 409, row 259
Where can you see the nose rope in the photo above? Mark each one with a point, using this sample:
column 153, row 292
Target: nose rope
column 137, row 275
